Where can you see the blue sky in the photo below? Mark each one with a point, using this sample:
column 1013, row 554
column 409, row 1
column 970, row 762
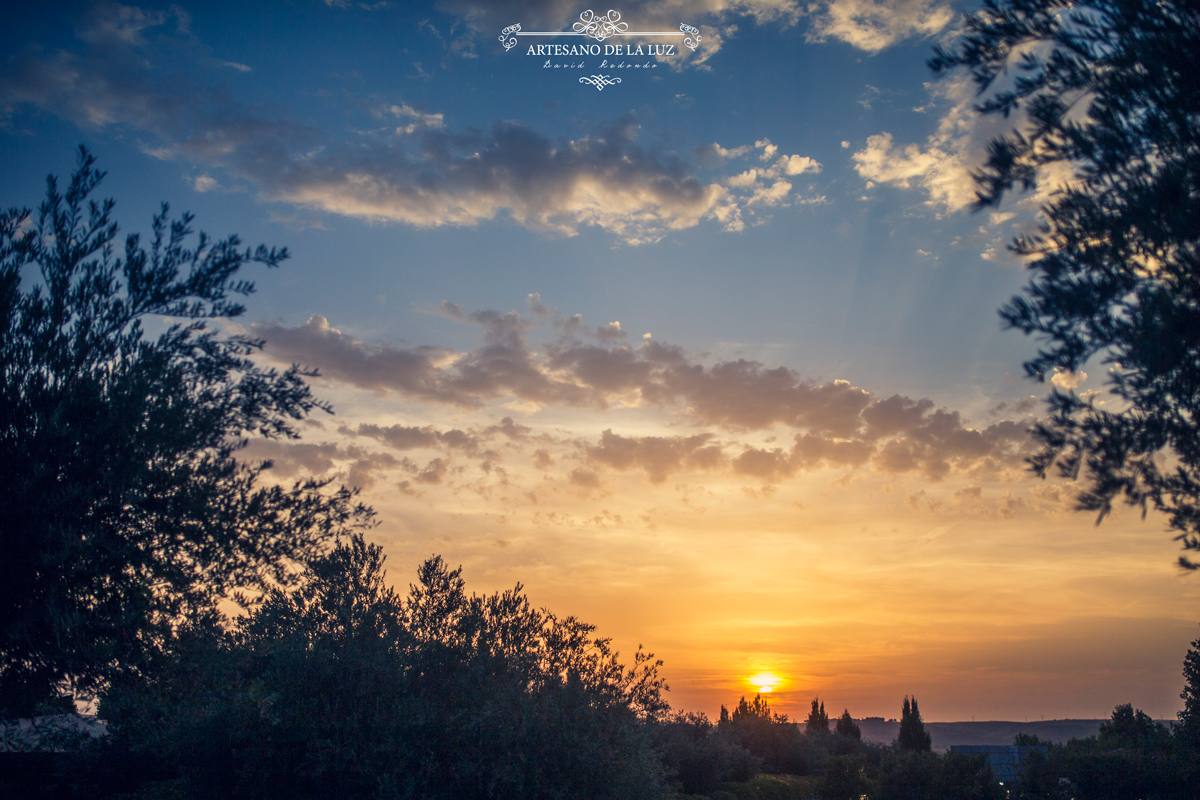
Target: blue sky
column 807, row 332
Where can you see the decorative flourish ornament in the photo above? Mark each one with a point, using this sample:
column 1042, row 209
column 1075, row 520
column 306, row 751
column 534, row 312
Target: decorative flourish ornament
column 600, row 81
column 600, row 28
column 692, row 41
column 511, row 41
column 641, row 44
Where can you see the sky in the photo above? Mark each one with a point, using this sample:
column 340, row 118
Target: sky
column 698, row 345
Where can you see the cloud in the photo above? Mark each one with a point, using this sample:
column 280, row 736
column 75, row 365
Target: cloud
column 289, row 459
column 584, row 478
column 659, row 456
column 136, row 72
column 943, row 171
column 832, row 424
column 1065, row 379
column 760, row 186
column 873, row 25
column 942, row 165
column 292, row 458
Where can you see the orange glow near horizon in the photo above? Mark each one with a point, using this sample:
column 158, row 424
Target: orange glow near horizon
column 977, row 588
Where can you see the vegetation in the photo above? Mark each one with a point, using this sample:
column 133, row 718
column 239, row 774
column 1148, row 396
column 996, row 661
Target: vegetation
column 124, row 510
column 818, row 721
column 912, row 729
column 1110, row 93
column 846, row 726
column 346, row 689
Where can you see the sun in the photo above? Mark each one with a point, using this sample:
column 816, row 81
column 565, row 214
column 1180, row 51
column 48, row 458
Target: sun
column 765, row 682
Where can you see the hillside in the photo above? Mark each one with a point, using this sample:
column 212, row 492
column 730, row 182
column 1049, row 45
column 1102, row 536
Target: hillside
column 945, row 734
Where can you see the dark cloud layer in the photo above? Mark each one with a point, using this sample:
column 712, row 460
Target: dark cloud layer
column 833, row 424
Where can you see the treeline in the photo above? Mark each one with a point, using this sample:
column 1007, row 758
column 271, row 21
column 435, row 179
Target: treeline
column 1132, row 757
column 346, row 688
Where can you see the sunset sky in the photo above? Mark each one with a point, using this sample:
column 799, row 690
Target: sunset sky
column 708, row 357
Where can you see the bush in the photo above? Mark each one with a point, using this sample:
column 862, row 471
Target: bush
column 346, row 689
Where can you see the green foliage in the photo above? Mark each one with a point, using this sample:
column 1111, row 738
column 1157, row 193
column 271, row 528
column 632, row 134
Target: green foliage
column 912, row 730
column 818, row 721
column 769, row 787
column 344, row 688
column 777, row 742
column 846, row 726
column 843, row 778
column 1117, row 262
column 1132, row 756
column 1038, row 779
column 911, row 775
column 1129, row 729
column 699, row 757
column 124, row 510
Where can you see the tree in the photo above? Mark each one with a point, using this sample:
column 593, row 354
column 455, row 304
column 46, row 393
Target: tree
column 846, row 726
column 125, row 509
column 1110, row 93
column 344, row 688
column 912, row 729
column 818, row 720
column 1189, row 717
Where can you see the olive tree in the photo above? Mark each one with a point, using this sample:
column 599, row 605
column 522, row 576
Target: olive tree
column 124, row 508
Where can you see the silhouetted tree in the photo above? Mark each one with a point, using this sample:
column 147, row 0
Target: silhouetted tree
column 912, row 729
column 1110, row 92
column 124, row 509
column 1188, row 728
column 846, row 726
column 818, row 721
column 345, row 689
column 842, row 778
column 699, row 757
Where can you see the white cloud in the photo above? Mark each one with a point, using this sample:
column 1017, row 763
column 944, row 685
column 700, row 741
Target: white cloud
column 763, row 186
column 1065, row 379
column 942, row 165
column 768, row 149
column 204, row 183
column 873, row 25
column 798, row 165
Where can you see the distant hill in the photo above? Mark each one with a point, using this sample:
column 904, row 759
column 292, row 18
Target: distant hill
column 945, row 734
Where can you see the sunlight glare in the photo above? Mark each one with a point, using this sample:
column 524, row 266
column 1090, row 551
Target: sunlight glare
column 765, row 682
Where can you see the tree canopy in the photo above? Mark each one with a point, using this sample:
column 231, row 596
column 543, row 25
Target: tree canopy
column 846, row 726
column 124, row 507
column 346, row 688
column 818, row 720
column 912, row 729
column 1189, row 717
column 1109, row 91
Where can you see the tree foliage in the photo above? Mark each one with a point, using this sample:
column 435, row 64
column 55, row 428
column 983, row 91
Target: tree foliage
column 124, row 509
column 818, row 721
column 1110, row 92
column 1189, row 718
column 912, row 729
column 846, row 726
column 345, row 688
